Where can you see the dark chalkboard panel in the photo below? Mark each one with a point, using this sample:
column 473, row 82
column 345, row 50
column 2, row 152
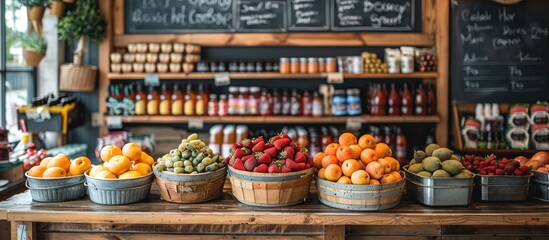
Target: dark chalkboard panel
column 373, row 15
column 178, row 16
column 500, row 53
column 307, row 15
column 261, row 16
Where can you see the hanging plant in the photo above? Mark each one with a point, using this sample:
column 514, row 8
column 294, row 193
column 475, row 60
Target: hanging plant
column 34, row 48
column 82, row 24
column 57, row 8
column 35, row 8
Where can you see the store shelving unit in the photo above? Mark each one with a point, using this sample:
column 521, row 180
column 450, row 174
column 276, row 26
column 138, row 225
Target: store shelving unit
column 198, row 76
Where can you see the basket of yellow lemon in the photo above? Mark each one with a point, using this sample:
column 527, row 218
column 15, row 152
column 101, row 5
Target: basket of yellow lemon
column 124, row 177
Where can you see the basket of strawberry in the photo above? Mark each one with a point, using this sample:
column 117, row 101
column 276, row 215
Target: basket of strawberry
column 270, row 173
column 498, row 179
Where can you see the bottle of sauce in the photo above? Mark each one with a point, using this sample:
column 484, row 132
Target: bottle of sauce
column 286, row 103
column 216, row 138
column 390, row 138
column 213, row 105
column 378, row 137
column 420, row 101
column 295, row 103
column 277, row 103
column 223, row 105
column 326, row 138
column 394, row 101
column 317, row 105
column 307, row 104
column 233, row 101
column 265, row 103
column 190, row 101
column 284, row 65
column 431, row 101
column 241, row 133
column 140, row 101
column 379, row 102
column 165, row 100
column 400, row 151
column 152, row 101
column 243, row 101
column 201, row 108
column 253, row 101
column 229, row 137
column 177, row 101
column 406, row 101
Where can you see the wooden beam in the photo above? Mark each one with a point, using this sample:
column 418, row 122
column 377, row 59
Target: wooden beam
column 428, row 12
column 336, row 232
column 259, row 76
column 443, row 52
column 118, row 23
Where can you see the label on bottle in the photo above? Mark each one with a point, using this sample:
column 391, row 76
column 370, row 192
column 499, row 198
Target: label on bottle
column 223, row 108
column 400, row 152
column 199, row 110
column 317, row 108
column 165, row 107
column 233, row 106
column 307, row 108
column 177, row 108
column 264, row 108
column 295, row 109
column 339, row 106
column 152, row 107
column 226, row 149
column 140, row 107
column 242, row 106
column 189, row 108
column 286, row 108
column 277, row 108
column 216, row 148
column 354, row 107
column 252, row 107
column 213, row 108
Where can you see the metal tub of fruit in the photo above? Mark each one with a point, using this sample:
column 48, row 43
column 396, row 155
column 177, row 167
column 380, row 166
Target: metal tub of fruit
column 58, row 179
column 125, row 176
column 270, row 173
column 192, row 173
column 358, row 175
column 540, row 168
column 437, row 178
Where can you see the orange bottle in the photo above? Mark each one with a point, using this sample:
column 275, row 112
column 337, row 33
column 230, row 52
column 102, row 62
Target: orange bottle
column 177, row 101
column 190, row 101
column 140, row 101
column 153, row 100
column 165, row 101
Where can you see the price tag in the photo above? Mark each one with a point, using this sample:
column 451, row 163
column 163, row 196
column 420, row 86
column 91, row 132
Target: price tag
column 32, row 114
column 354, row 123
column 222, row 79
column 45, row 114
column 196, row 124
column 152, row 80
column 335, row 78
column 114, row 122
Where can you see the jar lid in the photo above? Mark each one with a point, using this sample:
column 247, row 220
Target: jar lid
column 330, row 59
column 303, row 59
column 255, row 89
column 294, row 59
column 233, row 89
column 223, row 96
column 243, row 89
column 213, row 96
column 321, row 60
column 353, row 91
column 312, row 59
column 284, row 59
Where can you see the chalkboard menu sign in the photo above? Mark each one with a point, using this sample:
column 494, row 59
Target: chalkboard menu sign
column 309, row 15
column 380, row 15
column 169, row 16
column 500, row 53
column 261, row 16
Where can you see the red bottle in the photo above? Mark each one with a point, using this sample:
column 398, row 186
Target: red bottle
column 420, row 101
column 379, row 102
column 265, row 103
column 307, row 104
column 406, row 101
column 400, row 150
column 394, row 101
column 431, row 101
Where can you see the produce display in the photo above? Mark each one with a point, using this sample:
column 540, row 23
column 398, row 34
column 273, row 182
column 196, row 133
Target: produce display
column 60, row 166
column 191, row 157
column 539, row 162
column 362, row 161
column 277, row 155
column 129, row 162
column 491, row 165
column 438, row 162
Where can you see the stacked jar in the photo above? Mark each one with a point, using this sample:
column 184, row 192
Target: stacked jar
column 310, row 65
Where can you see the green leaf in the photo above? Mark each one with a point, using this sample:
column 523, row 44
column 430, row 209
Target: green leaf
column 84, row 20
column 33, row 42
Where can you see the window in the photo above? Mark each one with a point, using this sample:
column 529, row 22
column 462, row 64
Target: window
column 17, row 81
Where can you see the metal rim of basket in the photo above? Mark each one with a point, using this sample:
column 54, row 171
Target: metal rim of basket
column 56, row 187
column 106, row 189
column 438, row 187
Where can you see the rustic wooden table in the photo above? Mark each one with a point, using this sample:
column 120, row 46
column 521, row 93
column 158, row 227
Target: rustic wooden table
column 226, row 218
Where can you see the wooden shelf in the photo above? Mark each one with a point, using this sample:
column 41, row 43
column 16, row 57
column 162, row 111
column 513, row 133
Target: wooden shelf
column 277, row 119
column 343, row 39
column 176, row 76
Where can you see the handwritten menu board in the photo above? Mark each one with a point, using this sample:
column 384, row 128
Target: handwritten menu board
column 261, row 16
column 381, row 15
column 500, row 53
column 309, row 15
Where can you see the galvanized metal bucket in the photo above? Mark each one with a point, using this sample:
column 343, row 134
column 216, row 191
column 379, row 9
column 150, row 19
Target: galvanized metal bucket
column 501, row 187
column 360, row 197
column 118, row 191
column 541, row 186
column 190, row 188
column 56, row 189
column 440, row 191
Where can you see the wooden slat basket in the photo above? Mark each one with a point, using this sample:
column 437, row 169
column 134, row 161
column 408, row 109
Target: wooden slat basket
column 270, row 189
column 77, row 78
column 190, row 188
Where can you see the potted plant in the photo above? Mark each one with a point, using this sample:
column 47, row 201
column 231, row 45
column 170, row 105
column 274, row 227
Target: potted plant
column 82, row 24
column 57, row 8
column 35, row 8
column 34, row 48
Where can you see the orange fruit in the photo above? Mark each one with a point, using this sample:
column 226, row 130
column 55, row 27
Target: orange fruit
column 36, row 171
column 375, row 169
column 142, row 168
column 331, row 149
column 145, row 158
column 374, row 182
column 368, row 155
column 387, row 178
column 367, row 141
column 61, row 160
column 54, row 172
column 383, row 150
column 356, row 151
column 44, row 162
column 348, row 167
column 343, row 153
column 130, row 174
column 386, row 165
column 132, row 151
column 105, row 175
column 395, row 165
column 332, row 172
column 344, row 180
column 109, row 151
column 329, row 159
column 396, row 175
column 347, row 139
column 96, row 169
column 79, row 166
column 317, row 159
column 360, row 177
column 321, row 173
column 118, row 165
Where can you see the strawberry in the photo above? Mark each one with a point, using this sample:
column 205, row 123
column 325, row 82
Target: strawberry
column 468, row 158
column 476, row 163
column 238, row 164
column 259, row 147
column 489, row 168
column 482, row 164
column 516, row 163
column 293, row 165
column 264, row 158
column 302, row 166
column 501, row 165
column 247, row 143
column 505, row 160
column 310, row 161
column 478, row 159
column 248, row 157
column 271, row 151
column 273, row 169
column 510, row 169
column 226, row 160
column 238, row 153
column 482, row 172
column 274, row 138
column 300, row 157
column 281, row 143
column 263, row 168
column 307, row 165
column 236, row 145
column 269, row 145
column 500, row 171
column 466, row 164
column 288, row 152
column 491, row 174
column 523, row 169
column 257, row 140
column 518, row 172
column 286, row 170
column 250, row 164
column 284, row 135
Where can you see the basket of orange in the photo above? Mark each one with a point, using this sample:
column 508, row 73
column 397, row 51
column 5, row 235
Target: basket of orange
column 124, row 177
column 58, row 179
column 358, row 174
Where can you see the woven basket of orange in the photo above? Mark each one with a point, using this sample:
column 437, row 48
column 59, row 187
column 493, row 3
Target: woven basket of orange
column 358, row 174
column 124, row 177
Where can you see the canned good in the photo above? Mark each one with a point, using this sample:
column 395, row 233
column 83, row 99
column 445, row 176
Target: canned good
column 339, row 103
column 354, row 105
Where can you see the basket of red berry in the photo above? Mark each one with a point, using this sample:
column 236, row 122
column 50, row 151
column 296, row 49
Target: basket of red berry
column 272, row 173
column 498, row 179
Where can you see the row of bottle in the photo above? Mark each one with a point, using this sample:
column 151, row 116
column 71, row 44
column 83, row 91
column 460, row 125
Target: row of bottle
column 383, row 101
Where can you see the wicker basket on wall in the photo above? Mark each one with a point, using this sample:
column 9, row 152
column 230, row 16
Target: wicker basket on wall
column 77, row 78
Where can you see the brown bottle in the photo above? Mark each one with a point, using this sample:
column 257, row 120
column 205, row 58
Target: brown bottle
column 406, row 101
column 394, row 101
column 140, row 101
column 431, row 101
column 152, row 101
column 165, row 101
column 295, row 103
column 202, row 98
column 420, row 101
column 265, row 103
column 190, row 101
column 286, row 103
column 177, row 101
column 277, row 103
column 326, row 138
column 400, row 150
column 307, row 104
